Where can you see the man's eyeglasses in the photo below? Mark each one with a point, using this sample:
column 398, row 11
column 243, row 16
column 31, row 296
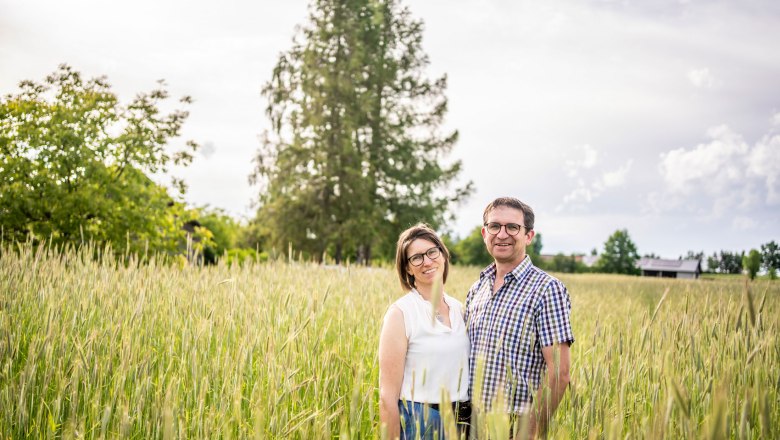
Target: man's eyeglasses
column 511, row 228
column 417, row 259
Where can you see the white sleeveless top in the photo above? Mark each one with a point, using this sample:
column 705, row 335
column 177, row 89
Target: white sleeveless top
column 437, row 357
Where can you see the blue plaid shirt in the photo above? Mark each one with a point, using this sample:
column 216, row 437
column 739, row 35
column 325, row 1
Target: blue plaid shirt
column 508, row 330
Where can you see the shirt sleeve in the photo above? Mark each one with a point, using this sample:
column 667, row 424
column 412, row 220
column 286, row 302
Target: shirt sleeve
column 553, row 323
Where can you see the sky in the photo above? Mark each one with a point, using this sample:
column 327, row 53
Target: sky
column 662, row 117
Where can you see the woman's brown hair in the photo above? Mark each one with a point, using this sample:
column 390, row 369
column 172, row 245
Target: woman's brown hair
column 422, row 231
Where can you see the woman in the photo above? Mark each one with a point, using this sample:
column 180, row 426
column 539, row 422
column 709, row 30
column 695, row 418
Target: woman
column 423, row 347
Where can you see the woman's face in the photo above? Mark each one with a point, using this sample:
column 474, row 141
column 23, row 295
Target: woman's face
column 429, row 269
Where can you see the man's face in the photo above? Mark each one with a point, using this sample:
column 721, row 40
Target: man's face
column 505, row 248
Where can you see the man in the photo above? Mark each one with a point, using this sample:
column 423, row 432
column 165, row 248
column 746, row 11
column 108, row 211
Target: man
column 518, row 320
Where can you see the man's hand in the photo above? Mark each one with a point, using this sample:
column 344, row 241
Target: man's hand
column 557, row 357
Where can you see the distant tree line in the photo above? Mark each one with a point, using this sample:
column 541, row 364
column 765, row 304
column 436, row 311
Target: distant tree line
column 725, row 262
column 752, row 261
column 471, row 250
column 619, row 256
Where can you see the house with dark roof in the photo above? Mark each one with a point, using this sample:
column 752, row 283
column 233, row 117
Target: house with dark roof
column 656, row 267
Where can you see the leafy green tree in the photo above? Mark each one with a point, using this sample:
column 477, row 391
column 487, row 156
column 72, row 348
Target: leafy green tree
column 471, row 250
column 534, row 250
column 752, row 263
column 620, row 254
column 713, row 263
column 725, row 262
column 224, row 230
column 451, row 242
column 770, row 258
column 355, row 152
column 563, row 263
column 74, row 165
column 255, row 235
column 691, row 255
column 219, row 235
column 566, row 264
column 730, row 262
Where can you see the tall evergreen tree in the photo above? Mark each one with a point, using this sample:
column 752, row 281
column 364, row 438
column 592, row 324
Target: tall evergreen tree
column 355, row 151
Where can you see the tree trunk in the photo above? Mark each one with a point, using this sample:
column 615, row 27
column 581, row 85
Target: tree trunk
column 337, row 255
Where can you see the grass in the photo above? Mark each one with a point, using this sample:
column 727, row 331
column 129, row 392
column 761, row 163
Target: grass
column 92, row 349
column 732, row 276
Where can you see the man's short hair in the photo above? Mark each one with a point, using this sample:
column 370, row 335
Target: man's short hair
column 511, row 202
column 420, row 230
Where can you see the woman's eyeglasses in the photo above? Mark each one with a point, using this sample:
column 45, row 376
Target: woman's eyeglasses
column 417, row 259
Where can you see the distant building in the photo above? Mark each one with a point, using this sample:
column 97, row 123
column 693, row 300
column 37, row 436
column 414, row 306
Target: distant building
column 656, row 267
column 587, row 260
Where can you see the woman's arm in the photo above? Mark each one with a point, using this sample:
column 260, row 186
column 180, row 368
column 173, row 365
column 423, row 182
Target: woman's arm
column 392, row 355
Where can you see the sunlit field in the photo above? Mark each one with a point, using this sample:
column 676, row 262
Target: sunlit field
column 92, row 349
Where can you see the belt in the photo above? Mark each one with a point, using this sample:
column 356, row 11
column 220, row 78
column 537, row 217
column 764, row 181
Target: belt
column 454, row 405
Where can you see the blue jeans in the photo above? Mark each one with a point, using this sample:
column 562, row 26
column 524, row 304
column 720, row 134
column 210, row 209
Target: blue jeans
column 419, row 420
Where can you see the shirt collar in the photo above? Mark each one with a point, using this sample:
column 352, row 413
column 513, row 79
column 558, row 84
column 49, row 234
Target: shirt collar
column 517, row 272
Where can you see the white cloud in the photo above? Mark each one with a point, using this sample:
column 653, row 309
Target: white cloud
column 776, row 120
column 657, row 202
column 723, row 175
column 711, row 166
column 577, row 196
column 764, row 163
column 586, row 193
column 618, row 177
column 743, row 223
column 702, row 78
column 584, row 157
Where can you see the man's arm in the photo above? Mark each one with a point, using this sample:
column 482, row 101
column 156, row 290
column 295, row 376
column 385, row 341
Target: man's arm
column 557, row 358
